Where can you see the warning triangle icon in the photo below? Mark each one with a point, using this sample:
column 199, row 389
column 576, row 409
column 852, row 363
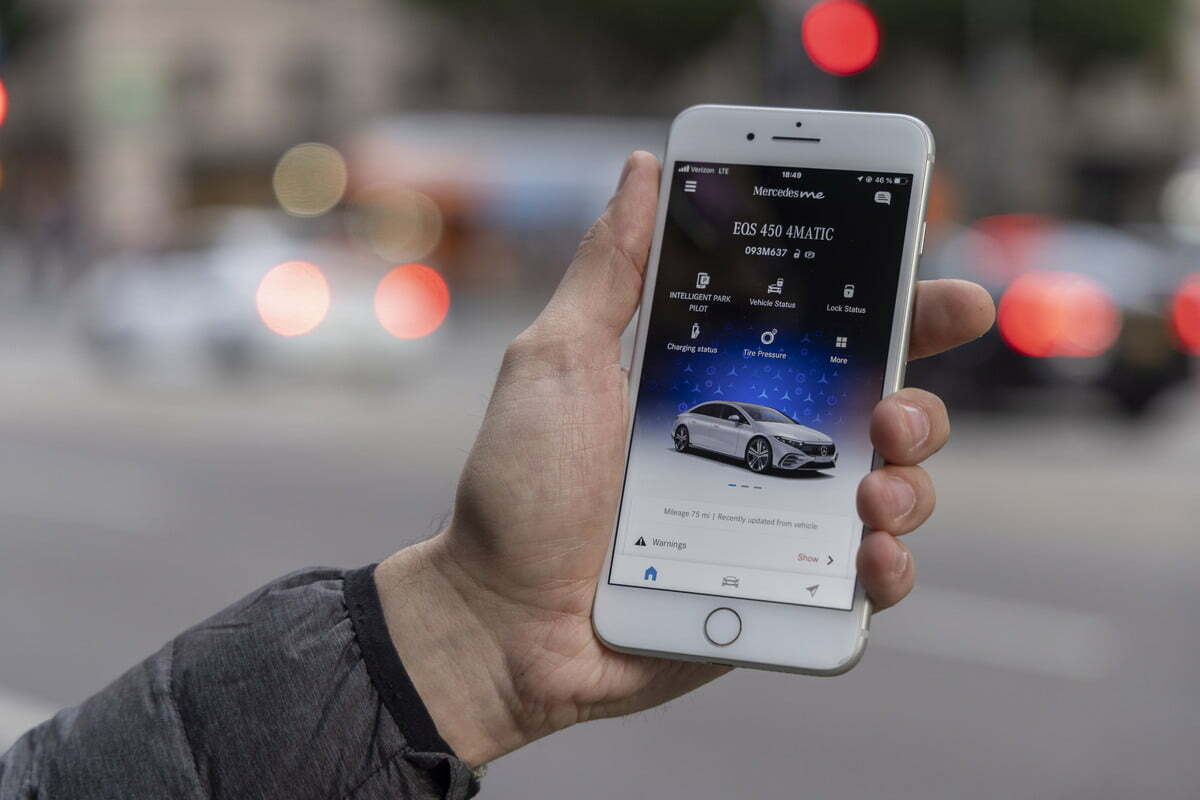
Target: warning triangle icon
column 641, row 542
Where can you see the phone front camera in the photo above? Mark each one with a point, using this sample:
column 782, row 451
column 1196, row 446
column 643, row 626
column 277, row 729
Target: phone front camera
column 749, row 137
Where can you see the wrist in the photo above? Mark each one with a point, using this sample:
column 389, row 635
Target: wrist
column 453, row 653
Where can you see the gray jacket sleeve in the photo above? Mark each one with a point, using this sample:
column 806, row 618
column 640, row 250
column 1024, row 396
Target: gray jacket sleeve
column 294, row 692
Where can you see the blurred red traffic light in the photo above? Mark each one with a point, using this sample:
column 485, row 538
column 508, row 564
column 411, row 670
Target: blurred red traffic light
column 3, row 104
column 841, row 36
column 1185, row 315
column 1045, row 314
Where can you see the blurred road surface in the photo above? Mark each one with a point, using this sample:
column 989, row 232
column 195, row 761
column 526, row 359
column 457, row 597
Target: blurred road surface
column 1049, row 652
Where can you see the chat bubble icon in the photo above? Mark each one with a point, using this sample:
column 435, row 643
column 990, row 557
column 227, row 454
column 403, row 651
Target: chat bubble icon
column 883, row 197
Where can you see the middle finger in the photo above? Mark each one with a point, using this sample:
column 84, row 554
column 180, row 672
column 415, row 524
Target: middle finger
column 896, row 499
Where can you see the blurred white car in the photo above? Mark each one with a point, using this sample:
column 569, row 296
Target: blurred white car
column 189, row 315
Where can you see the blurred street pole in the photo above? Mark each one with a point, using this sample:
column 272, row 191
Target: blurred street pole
column 792, row 79
column 1184, row 41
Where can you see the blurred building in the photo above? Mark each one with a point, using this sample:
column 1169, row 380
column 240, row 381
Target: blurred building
column 1018, row 131
column 128, row 111
column 148, row 106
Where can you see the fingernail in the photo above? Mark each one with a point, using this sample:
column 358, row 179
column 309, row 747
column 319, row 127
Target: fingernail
column 900, row 563
column 625, row 172
column 917, row 422
column 903, row 498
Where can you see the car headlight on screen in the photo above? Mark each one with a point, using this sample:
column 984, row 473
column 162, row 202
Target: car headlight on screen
column 789, row 442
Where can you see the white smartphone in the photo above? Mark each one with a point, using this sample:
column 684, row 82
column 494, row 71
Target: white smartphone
column 775, row 315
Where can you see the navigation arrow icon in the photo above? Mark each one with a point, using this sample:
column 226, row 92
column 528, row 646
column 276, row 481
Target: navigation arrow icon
column 812, row 590
column 641, row 542
column 829, row 562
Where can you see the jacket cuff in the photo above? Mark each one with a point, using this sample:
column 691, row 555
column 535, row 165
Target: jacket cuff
column 384, row 666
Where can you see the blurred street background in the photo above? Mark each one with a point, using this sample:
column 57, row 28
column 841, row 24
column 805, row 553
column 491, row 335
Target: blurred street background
column 259, row 261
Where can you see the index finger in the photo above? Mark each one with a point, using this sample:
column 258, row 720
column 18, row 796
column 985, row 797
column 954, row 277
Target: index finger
column 948, row 313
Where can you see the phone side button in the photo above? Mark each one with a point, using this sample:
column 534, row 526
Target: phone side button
column 921, row 248
column 722, row 627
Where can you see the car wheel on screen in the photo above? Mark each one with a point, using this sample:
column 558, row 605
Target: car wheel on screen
column 758, row 454
column 682, row 439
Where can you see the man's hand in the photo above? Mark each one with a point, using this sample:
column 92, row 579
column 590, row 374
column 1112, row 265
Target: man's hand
column 492, row 616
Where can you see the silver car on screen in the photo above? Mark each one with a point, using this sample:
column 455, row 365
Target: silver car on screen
column 763, row 438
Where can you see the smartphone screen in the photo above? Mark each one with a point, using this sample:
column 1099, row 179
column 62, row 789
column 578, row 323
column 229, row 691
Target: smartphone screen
column 766, row 351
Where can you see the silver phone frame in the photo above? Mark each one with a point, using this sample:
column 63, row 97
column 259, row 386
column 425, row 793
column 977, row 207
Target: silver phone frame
column 641, row 621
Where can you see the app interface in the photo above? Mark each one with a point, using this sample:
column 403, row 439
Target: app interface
column 766, row 352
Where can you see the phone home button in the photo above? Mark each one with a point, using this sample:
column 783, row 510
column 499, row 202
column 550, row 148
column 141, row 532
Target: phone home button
column 722, row 627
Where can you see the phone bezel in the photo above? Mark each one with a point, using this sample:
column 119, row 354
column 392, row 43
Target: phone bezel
column 774, row 635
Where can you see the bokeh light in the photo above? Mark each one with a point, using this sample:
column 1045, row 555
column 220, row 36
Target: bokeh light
column 293, row 298
column 1185, row 314
column 310, row 179
column 395, row 223
column 1064, row 314
column 841, row 36
column 412, row 301
column 3, row 103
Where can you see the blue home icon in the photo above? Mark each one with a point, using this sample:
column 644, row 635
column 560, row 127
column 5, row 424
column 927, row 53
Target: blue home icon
column 651, row 574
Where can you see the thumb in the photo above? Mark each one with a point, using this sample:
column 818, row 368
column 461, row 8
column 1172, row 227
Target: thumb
column 601, row 289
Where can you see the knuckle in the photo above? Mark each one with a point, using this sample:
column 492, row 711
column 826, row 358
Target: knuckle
column 542, row 345
column 599, row 237
column 915, row 396
column 611, row 242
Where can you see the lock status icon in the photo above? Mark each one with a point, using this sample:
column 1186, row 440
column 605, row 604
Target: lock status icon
column 848, row 291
